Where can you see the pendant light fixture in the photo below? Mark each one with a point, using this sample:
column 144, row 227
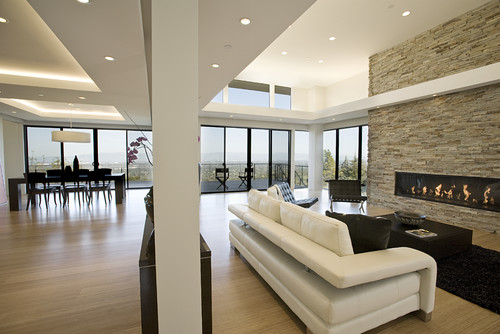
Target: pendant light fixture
column 70, row 136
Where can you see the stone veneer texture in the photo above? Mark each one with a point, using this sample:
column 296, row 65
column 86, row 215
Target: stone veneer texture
column 455, row 134
column 469, row 41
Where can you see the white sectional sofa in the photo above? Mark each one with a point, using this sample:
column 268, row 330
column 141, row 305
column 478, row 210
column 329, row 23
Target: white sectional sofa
column 307, row 259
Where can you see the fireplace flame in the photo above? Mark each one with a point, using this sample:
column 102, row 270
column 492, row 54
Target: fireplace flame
column 438, row 191
column 466, row 193
column 424, row 190
column 413, row 190
column 486, row 197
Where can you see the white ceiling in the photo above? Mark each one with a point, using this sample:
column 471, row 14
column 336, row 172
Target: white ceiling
column 52, row 52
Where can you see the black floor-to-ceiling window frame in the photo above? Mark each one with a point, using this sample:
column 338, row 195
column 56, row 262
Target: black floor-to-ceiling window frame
column 42, row 154
column 257, row 163
column 348, row 161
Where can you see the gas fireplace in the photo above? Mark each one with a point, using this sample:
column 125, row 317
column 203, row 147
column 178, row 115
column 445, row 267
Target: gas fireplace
column 474, row 192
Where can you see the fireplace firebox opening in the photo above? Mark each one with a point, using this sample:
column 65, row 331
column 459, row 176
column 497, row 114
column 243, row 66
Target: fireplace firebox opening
column 474, row 192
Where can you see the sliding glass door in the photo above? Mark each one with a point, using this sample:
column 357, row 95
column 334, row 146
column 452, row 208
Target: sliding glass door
column 212, row 166
column 227, row 166
column 280, row 156
column 236, row 158
column 260, row 158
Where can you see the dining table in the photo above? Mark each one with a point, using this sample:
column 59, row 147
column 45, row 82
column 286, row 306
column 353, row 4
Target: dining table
column 15, row 183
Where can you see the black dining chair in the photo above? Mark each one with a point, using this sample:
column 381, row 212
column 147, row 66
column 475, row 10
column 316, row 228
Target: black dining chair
column 98, row 182
column 76, row 182
column 37, row 185
column 55, row 179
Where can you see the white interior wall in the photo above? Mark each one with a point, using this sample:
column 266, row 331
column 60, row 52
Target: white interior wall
column 13, row 150
column 3, row 180
column 348, row 90
column 175, row 177
column 299, row 99
column 346, row 124
column 316, row 99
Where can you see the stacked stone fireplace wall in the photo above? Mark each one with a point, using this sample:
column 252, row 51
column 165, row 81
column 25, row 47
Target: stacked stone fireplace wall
column 454, row 134
column 464, row 43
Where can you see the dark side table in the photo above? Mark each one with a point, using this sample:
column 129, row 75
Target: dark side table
column 450, row 240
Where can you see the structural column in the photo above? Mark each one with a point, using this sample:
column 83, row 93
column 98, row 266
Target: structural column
column 315, row 157
column 175, row 138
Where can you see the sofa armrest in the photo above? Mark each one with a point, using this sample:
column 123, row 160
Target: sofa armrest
column 239, row 210
column 352, row 270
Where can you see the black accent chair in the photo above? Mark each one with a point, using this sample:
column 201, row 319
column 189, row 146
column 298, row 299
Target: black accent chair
column 285, row 192
column 345, row 191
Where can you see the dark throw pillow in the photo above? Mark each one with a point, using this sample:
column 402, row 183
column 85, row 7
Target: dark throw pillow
column 367, row 233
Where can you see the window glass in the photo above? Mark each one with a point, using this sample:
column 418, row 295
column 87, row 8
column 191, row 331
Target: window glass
column 282, row 97
column 112, row 150
column 83, row 151
column 364, row 158
column 218, row 98
column 140, row 166
column 301, row 159
column 348, row 153
column 43, row 153
column 248, row 93
column 329, row 152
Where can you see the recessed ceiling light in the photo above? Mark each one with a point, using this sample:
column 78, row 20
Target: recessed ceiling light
column 332, row 38
column 333, row 119
column 406, row 13
column 245, row 21
column 109, row 58
column 284, row 53
column 14, row 112
column 82, row 97
column 3, row 20
column 40, row 95
column 70, row 104
column 215, row 65
column 281, row 119
column 84, row 1
column 231, row 116
column 321, row 61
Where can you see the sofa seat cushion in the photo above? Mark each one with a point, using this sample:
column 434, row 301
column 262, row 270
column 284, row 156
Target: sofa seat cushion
column 331, row 304
column 367, row 233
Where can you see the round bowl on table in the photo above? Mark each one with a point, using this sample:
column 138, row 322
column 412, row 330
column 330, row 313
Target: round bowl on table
column 409, row 218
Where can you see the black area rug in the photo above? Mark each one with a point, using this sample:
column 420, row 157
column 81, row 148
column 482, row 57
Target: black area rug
column 473, row 275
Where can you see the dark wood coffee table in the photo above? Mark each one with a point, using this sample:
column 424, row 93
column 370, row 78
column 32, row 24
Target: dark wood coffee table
column 450, row 240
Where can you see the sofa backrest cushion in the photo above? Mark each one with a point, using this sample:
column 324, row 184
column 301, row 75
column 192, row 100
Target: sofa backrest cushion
column 270, row 208
column 367, row 233
column 273, row 192
column 264, row 205
column 329, row 233
column 291, row 216
column 254, row 197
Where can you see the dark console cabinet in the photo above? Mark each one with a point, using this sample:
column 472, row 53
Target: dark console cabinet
column 147, row 272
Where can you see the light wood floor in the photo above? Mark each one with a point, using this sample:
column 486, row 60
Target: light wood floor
column 74, row 270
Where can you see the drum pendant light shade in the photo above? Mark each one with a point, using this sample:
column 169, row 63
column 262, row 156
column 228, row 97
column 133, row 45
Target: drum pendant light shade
column 70, row 137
